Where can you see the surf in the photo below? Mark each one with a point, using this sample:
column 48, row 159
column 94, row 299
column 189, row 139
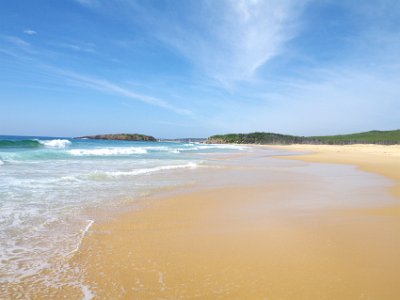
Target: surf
column 20, row 144
column 34, row 144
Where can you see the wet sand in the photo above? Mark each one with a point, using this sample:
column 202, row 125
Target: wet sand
column 261, row 228
column 384, row 160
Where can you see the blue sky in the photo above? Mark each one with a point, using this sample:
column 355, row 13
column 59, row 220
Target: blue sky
column 195, row 68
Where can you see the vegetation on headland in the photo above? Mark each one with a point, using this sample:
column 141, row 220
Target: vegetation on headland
column 390, row 137
column 121, row 137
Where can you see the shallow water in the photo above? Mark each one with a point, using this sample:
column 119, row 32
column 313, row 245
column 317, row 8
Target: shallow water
column 52, row 190
column 252, row 226
column 49, row 188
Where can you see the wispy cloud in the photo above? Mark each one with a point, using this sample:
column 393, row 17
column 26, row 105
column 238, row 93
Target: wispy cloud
column 228, row 40
column 112, row 88
column 76, row 47
column 91, row 3
column 87, row 81
column 30, row 32
column 327, row 101
column 17, row 41
column 229, row 61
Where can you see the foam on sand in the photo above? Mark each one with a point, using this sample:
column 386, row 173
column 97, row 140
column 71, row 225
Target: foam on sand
column 83, row 233
column 52, row 188
column 255, row 237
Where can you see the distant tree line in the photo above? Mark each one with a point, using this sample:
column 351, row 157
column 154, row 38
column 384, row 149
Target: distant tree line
column 391, row 137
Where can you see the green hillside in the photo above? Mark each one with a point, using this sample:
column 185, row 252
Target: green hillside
column 255, row 138
column 371, row 137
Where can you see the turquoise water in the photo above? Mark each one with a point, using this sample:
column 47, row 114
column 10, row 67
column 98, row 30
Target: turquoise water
column 49, row 188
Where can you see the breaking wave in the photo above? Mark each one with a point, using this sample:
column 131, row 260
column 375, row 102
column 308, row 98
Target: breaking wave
column 32, row 144
column 55, row 143
column 20, row 144
column 144, row 171
column 107, row 151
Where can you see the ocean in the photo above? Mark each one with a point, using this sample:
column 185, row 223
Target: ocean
column 51, row 187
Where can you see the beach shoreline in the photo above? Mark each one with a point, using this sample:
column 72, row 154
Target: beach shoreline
column 264, row 223
column 254, row 240
column 380, row 159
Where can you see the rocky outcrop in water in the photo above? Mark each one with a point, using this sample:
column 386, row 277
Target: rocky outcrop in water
column 121, row 137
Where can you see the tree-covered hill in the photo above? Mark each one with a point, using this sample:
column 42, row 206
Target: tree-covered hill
column 371, row 137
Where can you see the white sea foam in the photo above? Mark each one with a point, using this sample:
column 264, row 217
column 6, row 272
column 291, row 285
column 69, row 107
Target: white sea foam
column 55, row 143
column 108, row 151
column 70, row 178
column 163, row 149
column 87, row 292
column 100, row 175
column 199, row 147
column 47, row 193
column 83, row 233
column 215, row 146
column 114, row 151
column 157, row 148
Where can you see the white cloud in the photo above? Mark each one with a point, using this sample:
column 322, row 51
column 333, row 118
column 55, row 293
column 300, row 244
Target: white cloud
column 109, row 87
column 17, row 41
column 327, row 102
column 76, row 47
column 228, row 40
column 30, row 32
column 91, row 3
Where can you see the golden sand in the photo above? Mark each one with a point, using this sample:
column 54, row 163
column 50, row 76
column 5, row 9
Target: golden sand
column 384, row 160
column 242, row 242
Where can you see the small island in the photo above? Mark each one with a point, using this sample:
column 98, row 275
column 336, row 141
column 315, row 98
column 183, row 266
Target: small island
column 121, row 137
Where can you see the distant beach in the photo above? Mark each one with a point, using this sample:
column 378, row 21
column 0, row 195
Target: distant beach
column 264, row 223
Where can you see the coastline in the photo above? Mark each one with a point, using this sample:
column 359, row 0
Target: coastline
column 254, row 240
column 380, row 159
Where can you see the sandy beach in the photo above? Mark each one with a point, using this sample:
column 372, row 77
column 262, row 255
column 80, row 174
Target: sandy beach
column 381, row 159
column 274, row 228
column 165, row 150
